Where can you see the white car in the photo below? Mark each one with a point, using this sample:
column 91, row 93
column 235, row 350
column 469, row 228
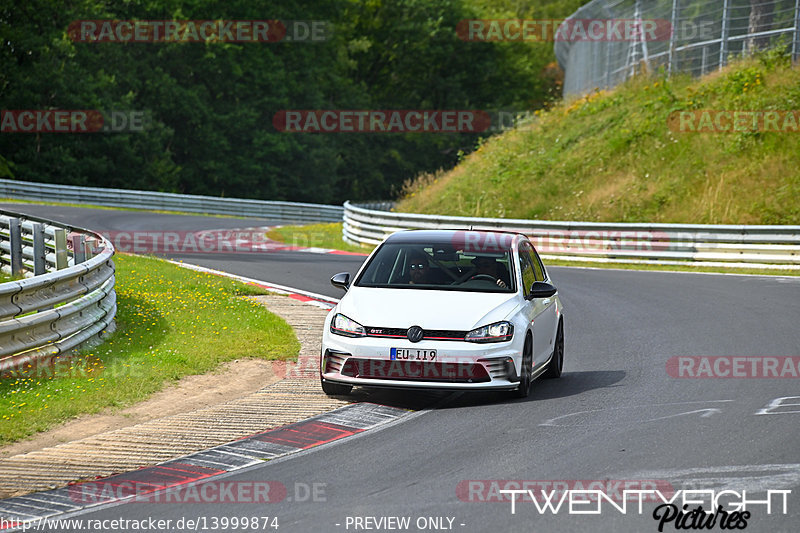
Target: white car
column 470, row 310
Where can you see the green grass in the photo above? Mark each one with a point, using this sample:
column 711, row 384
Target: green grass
column 316, row 235
column 171, row 322
column 611, row 157
column 4, row 277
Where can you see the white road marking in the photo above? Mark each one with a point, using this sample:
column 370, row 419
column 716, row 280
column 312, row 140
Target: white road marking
column 597, row 421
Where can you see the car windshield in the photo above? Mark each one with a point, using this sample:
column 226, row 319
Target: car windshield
column 439, row 267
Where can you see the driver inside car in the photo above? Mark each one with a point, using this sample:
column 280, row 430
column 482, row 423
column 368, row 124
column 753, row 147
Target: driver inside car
column 418, row 268
column 488, row 266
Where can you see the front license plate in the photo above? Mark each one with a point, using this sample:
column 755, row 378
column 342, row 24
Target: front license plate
column 412, row 354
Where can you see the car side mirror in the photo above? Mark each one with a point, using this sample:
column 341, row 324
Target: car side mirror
column 541, row 289
column 341, row 280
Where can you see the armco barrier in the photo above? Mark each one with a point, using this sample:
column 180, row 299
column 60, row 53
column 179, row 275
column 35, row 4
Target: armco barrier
column 714, row 245
column 211, row 205
column 68, row 301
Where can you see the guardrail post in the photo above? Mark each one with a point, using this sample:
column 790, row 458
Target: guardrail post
column 88, row 248
column 39, row 260
column 78, row 251
column 15, row 234
column 62, row 259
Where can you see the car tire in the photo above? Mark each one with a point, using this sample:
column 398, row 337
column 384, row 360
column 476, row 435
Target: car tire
column 556, row 364
column 523, row 390
column 335, row 389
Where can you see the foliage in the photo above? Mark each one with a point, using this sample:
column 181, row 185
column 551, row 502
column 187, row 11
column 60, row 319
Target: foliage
column 210, row 105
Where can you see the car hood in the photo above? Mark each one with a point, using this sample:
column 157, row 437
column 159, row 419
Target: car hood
column 429, row 309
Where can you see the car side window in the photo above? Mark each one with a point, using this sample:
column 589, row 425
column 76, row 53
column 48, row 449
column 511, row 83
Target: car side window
column 526, row 268
column 538, row 268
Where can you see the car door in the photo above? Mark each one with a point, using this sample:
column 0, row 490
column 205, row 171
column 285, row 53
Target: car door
column 535, row 310
column 548, row 318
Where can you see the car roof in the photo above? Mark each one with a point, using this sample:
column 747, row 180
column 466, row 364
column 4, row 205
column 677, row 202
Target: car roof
column 502, row 239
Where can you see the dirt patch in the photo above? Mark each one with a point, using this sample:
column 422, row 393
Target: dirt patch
column 232, row 380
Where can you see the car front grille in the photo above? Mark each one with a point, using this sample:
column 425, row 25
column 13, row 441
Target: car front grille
column 428, row 334
column 415, row 370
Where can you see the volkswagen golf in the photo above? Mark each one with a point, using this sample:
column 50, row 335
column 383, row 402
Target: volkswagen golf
column 470, row 310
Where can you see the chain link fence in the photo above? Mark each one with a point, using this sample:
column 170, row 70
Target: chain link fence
column 695, row 36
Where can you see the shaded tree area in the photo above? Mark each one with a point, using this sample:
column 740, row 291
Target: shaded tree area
column 209, row 105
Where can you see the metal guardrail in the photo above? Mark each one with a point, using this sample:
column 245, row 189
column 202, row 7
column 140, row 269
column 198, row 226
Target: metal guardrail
column 775, row 247
column 702, row 35
column 68, row 301
column 278, row 211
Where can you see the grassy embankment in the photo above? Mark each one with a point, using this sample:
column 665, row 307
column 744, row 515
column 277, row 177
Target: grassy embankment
column 610, row 156
column 171, row 322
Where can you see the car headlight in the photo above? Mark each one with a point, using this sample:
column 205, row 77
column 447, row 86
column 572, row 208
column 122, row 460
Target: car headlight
column 341, row 325
column 497, row 332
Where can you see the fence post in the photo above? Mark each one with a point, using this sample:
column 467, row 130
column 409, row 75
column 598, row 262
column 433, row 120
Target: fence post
column 796, row 40
column 723, row 40
column 39, row 261
column 62, row 260
column 673, row 37
column 15, row 234
column 78, row 252
column 703, row 61
column 640, row 37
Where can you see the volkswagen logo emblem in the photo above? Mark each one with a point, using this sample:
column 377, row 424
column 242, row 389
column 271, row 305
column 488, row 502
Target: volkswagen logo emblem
column 415, row 334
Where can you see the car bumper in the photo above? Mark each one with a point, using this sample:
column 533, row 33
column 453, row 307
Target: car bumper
column 459, row 365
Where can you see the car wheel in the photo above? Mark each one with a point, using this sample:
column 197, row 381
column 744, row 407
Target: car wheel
column 335, row 389
column 524, row 387
column 556, row 364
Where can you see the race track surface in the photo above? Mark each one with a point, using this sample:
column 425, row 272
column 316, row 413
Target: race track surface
column 617, row 414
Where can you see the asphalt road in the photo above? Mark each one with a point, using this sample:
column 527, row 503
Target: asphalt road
column 616, row 414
